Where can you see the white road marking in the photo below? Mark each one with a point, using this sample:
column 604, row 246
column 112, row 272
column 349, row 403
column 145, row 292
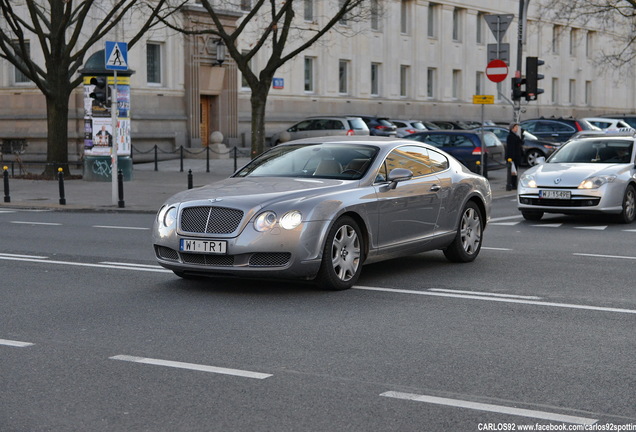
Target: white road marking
column 501, row 409
column 192, row 366
column 36, row 223
column 120, row 227
column 136, row 267
column 486, row 294
column 501, row 300
column 120, row 264
column 22, row 256
column 497, row 249
column 505, row 218
column 504, row 223
column 605, row 256
column 630, row 230
column 14, row 343
column 596, row 228
column 554, row 225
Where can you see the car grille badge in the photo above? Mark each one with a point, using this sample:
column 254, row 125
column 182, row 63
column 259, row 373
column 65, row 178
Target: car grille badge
column 557, row 180
column 213, row 200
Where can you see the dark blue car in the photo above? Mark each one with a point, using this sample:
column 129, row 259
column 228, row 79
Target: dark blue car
column 466, row 146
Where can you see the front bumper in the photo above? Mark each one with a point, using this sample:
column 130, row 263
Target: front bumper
column 581, row 201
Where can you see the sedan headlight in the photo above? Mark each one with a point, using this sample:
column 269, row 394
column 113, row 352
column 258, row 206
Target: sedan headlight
column 596, row 182
column 291, row 220
column 265, row 221
column 167, row 216
column 528, row 181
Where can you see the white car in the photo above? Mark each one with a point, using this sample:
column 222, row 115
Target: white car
column 588, row 174
column 609, row 124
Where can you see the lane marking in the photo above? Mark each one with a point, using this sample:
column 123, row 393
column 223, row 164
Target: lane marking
column 192, row 366
column 77, row 264
column 497, row 249
column 605, row 256
column 120, row 227
column 14, row 343
column 504, row 223
column 22, row 256
column 596, row 228
column 486, row 294
column 553, row 225
column 120, row 264
column 501, row 409
column 36, row 223
column 505, row 218
column 501, row 300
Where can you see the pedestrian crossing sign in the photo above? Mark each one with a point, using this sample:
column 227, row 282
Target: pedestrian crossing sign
column 116, row 54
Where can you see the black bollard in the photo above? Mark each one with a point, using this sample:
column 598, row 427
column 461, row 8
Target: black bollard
column 7, row 197
column 60, row 179
column 120, row 188
column 190, row 186
column 509, row 175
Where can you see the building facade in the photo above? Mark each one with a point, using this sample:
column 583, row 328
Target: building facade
column 411, row 59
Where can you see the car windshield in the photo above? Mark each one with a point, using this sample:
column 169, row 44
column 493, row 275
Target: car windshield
column 594, row 151
column 336, row 161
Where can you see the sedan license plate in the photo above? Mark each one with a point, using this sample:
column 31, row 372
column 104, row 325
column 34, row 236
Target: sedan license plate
column 555, row 194
column 203, row 246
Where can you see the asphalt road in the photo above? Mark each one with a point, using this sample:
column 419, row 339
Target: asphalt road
column 95, row 336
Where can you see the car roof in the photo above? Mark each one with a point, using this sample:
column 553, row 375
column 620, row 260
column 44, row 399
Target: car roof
column 451, row 132
column 372, row 140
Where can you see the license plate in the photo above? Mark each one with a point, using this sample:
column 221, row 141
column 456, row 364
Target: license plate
column 203, row 246
column 555, row 194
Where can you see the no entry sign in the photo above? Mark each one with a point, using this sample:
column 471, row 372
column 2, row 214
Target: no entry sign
column 497, row 70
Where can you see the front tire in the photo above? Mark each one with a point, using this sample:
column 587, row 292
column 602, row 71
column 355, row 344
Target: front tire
column 628, row 214
column 342, row 256
column 532, row 156
column 467, row 243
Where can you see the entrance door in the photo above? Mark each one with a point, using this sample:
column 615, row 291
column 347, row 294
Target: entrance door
column 204, row 121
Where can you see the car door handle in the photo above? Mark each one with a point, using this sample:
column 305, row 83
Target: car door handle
column 435, row 188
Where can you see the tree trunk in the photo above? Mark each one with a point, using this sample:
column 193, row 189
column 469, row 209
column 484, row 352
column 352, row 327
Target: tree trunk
column 57, row 135
column 259, row 102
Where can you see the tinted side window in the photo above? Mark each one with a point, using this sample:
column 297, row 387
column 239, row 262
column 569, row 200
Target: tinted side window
column 491, row 140
column 438, row 161
column 413, row 158
column 530, row 126
column 562, row 127
column 358, row 124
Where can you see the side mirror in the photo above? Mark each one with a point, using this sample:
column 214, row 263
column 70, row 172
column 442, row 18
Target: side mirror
column 540, row 160
column 399, row 175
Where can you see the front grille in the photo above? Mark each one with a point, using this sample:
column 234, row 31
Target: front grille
column 208, row 260
column 166, row 253
column 210, row 220
column 273, row 259
column 587, row 202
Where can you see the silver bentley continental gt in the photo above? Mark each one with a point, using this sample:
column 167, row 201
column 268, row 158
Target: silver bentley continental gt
column 592, row 173
column 318, row 209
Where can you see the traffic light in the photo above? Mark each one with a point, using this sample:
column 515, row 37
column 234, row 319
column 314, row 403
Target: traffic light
column 101, row 91
column 517, row 88
column 532, row 78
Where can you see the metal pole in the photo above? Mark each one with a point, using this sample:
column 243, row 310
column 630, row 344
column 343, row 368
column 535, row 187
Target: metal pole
column 5, row 174
column 523, row 6
column 120, row 189
column 483, row 144
column 113, row 150
column 60, row 177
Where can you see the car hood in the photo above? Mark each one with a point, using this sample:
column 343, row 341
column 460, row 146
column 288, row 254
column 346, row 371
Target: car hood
column 256, row 192
column 570, row 174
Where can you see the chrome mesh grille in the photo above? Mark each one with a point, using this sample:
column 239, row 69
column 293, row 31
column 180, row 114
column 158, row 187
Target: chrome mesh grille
column 210, row 220
column 273, row 259
column 166, row 253
column 208, row 260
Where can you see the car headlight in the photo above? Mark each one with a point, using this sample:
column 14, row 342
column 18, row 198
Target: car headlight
column 167, row 216
column 596, row 182
column 265, row 221
column 291, row 220
column 528, row 181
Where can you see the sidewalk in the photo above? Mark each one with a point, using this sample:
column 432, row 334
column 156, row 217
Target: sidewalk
column 148, row 188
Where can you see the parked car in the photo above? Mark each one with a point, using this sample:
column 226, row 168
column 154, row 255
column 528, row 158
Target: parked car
column 322, row 126
column 466, row 146
column 449, row 124
column 588, row 174
column 380, row 126
column 555, row 129
column 315, row 209
column 630, row 119
column 407, row 127
column 611, row 124
column 533, row 148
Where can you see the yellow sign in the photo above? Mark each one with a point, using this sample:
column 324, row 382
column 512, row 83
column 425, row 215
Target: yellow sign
column 483, row 99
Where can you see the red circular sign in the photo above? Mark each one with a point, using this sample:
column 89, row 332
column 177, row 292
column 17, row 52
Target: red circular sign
column 497, row 70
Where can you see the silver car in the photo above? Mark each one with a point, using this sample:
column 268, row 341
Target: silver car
column 322, row 126
column 318, row 209
column 588, row 174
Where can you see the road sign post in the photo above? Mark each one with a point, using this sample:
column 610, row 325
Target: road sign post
column 483, row 100
column 497, row 70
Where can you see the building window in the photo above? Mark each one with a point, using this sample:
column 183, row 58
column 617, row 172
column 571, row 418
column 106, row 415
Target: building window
column 375, row 79
column 457, row 84
column 572, row 92
column 246, row 5
column 244, row 83
column 405, row 13
column 556, row 37
column 153, row 63
column 343, row 77
column 404, row 80
column 480, row 38
column 479, row 83
column 309, row 74
column 309, row 10
column 588, row 93
column 375, row 15
column 345, row 19
column 457, row 24
column 431, row 81
column 18, row 76
column 589, row 44
column 433, row 9
column 555, row 91
column 573, row 42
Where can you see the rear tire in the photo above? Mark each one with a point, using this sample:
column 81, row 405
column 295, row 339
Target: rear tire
column 532, row 215
column 467, row 243
column 628, row 214
column 532, row 156
column 342, row 256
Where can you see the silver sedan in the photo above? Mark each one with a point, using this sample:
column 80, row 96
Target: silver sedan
column 589, row 174
column 318, row 209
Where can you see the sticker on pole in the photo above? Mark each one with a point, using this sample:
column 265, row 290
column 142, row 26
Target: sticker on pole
column 116, row 54
column 497, row 70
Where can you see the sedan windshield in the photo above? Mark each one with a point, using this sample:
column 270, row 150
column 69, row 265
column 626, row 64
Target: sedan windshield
column 594, row 151
column 336, row 161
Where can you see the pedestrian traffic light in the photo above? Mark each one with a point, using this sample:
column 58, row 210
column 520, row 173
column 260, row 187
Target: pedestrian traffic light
column 517, row 88
column 532, row 78
column 101, row 91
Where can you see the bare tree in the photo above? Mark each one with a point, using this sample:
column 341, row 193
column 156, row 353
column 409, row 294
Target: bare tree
column 272, row 25
column 65, row 30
